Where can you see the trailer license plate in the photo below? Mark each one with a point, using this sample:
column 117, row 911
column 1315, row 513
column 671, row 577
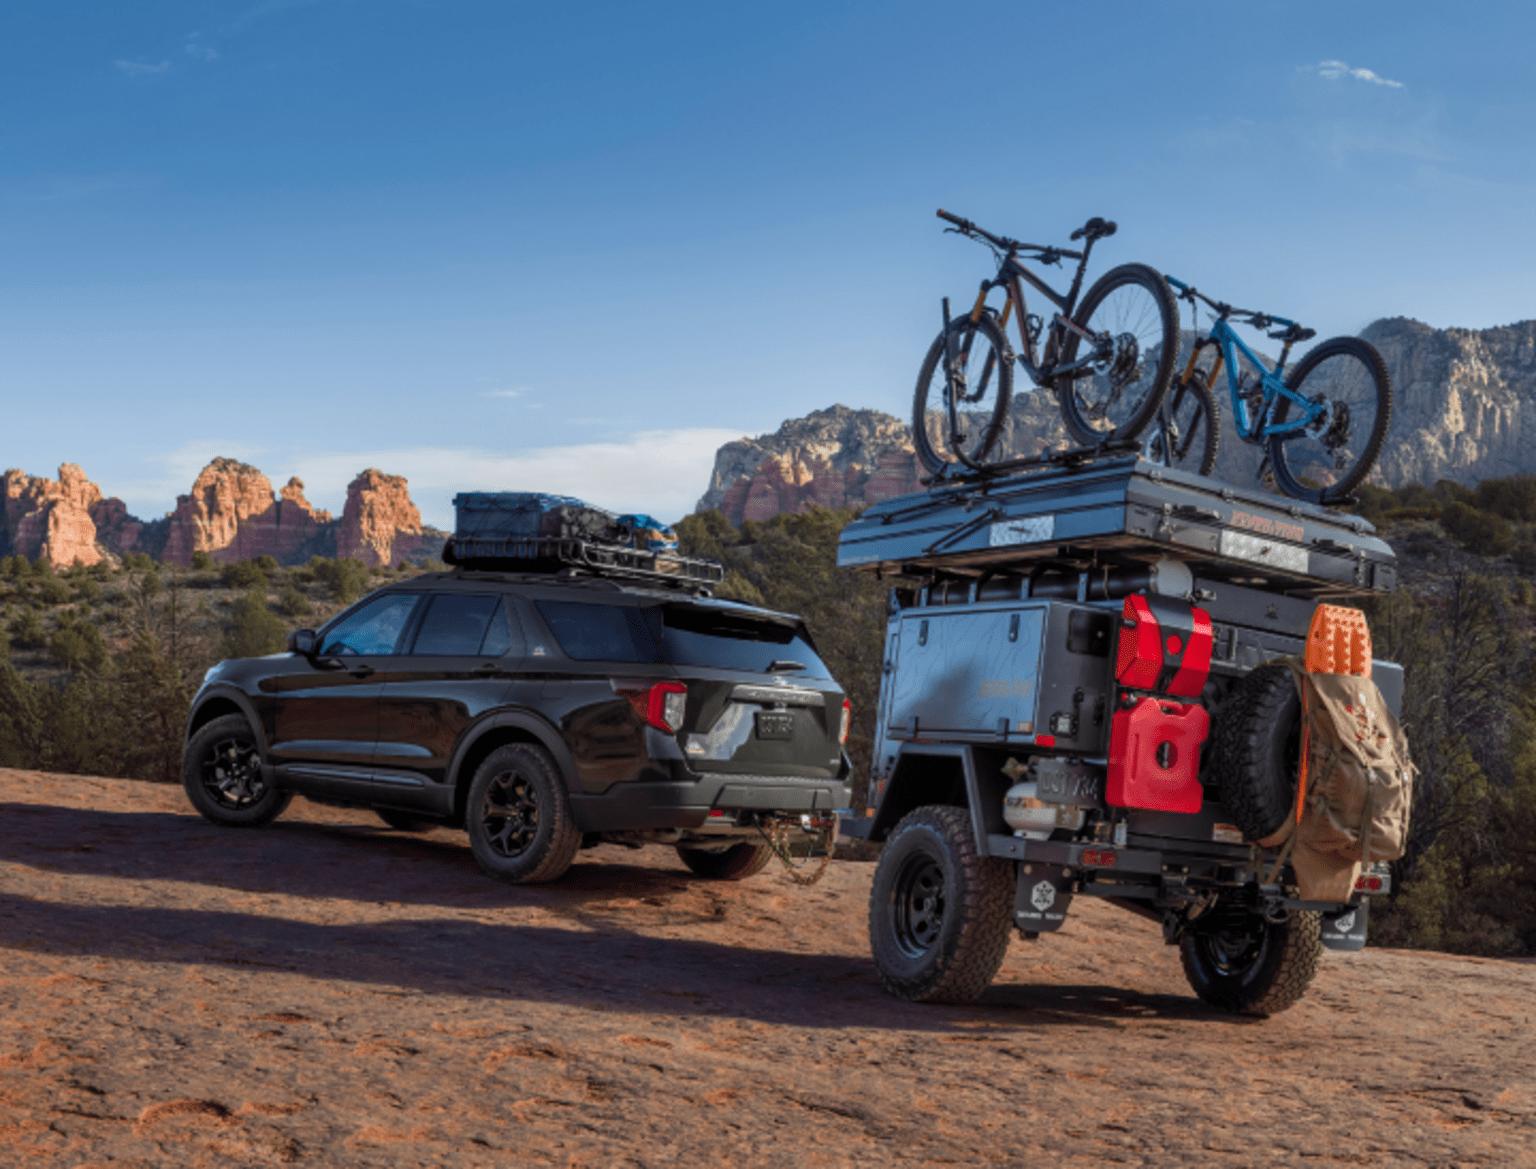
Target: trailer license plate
column 774, row 724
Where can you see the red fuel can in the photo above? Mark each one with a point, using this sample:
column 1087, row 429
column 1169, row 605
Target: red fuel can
column 1154, row 756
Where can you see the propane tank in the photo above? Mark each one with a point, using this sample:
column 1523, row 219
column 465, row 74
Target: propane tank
column 1032, row 818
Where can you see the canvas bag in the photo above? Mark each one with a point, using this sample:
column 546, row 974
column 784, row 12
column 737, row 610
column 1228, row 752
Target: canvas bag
column 1355, row 785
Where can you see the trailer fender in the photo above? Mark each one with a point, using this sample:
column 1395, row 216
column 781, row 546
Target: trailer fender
column 956, row 774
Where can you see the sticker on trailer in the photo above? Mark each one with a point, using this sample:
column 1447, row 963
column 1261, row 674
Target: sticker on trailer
column 1259, row 550
column 1034, row 530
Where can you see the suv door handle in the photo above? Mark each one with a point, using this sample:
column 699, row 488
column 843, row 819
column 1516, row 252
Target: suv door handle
column 361, row 670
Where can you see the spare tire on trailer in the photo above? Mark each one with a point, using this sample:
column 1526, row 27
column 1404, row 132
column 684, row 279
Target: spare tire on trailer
column 1257, row 749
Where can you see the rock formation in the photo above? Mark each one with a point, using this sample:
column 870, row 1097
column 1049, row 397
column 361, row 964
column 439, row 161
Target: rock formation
column 44, row 517
column 380, row 524
column 232, row 514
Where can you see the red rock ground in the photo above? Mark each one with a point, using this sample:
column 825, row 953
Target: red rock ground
column 329, row 992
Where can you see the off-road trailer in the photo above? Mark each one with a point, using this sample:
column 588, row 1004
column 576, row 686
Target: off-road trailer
column 1064, row 646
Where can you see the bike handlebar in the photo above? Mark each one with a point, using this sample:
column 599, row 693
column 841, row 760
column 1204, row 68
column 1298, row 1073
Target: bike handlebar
column 1050, row 255
column 1291, row 333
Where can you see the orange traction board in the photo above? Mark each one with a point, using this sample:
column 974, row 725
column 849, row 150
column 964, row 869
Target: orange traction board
column 1338, row 642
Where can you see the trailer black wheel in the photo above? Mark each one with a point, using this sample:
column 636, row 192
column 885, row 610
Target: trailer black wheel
column 1241, row 963
column 1257, row 749
column 736, row 863
column 940, row 914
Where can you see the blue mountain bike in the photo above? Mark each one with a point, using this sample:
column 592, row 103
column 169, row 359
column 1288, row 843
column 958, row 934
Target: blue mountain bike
column 1323, row 426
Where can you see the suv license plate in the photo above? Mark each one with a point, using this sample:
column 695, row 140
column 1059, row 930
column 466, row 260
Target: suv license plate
column 775, row 724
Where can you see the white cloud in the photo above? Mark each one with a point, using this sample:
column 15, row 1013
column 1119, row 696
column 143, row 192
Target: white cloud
column 142, row 68
column 196, row 48
column 1334, row 70
column 499, row 394
column 660, row 472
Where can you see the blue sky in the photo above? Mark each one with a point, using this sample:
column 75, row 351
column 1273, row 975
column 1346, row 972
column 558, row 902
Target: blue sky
column 577, row 246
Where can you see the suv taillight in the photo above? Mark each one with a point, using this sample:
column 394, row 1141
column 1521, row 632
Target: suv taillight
column 660, row 704
column 842, row 731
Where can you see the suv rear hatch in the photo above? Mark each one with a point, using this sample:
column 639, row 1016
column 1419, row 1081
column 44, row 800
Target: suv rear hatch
column 760, row 700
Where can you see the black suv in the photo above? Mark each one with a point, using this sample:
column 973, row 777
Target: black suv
column 540, row 713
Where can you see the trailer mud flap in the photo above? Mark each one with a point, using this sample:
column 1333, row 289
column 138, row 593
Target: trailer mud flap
column 1044, row 894
column 1344, row 929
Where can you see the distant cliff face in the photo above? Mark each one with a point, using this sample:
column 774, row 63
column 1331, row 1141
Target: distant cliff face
column 1464, row 408
column 1464, row 401
column 231, row 514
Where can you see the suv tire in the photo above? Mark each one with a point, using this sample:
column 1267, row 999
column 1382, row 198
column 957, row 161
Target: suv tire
column 940, row 914
column 1244, row 964
column 519, row 816
column 221, row 772
column 736, row 863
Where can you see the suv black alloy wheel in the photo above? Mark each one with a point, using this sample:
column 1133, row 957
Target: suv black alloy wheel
column 519, row 817
column 221, row 772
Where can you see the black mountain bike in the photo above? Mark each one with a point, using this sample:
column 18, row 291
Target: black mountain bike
column 1108, row 360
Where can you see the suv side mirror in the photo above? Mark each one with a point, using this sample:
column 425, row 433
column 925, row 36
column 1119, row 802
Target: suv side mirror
column 302, row 641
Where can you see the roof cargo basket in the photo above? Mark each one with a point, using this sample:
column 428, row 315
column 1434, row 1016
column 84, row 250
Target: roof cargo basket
column 526, row 531
column 550, row 553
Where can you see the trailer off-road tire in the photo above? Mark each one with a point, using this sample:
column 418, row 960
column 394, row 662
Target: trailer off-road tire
column 1257, row 749
column 1244, row 964
column 940, row 914
column 736, row 863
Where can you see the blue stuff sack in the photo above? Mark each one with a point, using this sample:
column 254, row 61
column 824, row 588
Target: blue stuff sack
column 647, row 534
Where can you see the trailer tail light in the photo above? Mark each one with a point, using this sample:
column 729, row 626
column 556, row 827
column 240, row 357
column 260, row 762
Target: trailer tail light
column 1366, row 883
column 660, row 704
column 1165, row 646
column 1154, row 756
column 842, row 729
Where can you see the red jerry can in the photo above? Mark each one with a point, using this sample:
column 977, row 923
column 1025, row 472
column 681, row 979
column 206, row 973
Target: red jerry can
column 1154, row 756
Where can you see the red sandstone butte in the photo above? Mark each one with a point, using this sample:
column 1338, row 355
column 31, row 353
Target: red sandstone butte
column 232, row 514
column 52, row 519
column 379, row 525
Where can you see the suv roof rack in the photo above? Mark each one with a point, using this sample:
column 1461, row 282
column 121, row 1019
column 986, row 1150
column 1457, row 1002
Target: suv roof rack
column 546, row 555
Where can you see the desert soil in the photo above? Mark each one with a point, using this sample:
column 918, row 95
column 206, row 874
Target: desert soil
column 330, row 992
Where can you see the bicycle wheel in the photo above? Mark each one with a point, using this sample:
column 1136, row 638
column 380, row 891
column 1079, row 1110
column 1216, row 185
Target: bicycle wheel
column 1133, row 309
column 1186, row 432
column 1332, row 455
column 986, row 384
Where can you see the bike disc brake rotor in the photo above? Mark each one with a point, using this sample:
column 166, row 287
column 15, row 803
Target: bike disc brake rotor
column 1126, row 366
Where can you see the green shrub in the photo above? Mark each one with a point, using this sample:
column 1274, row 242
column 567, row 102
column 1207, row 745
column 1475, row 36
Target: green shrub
column 202, row 562
column 253, row 629
column 53, row 591
column 267, row 563
column 1477, row 531
column 14, row 567
column 5, row 646
column 347, row 579
column 139, row 562
column 293, row 603
column 244, row 574
column 78, row 646
column 87, row 589
column 27, row 630
column 41, row 566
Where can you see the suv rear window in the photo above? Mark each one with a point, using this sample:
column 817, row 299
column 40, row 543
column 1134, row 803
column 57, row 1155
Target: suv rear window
column 734, row 641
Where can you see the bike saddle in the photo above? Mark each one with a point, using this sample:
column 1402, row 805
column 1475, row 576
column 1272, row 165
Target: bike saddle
column 1096, row 228
column 1293, row 334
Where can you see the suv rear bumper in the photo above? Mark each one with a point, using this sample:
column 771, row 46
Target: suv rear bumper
column 686, row 801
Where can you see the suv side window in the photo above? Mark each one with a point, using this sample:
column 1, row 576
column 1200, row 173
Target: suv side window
column 371, row 630
column 600, row 633
column 459, row 624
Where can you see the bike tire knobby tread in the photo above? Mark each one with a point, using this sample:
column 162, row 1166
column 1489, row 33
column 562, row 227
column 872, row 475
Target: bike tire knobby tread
column 931, row 458
column 1336, row 492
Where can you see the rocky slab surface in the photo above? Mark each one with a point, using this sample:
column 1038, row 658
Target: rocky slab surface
column 327, row 991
